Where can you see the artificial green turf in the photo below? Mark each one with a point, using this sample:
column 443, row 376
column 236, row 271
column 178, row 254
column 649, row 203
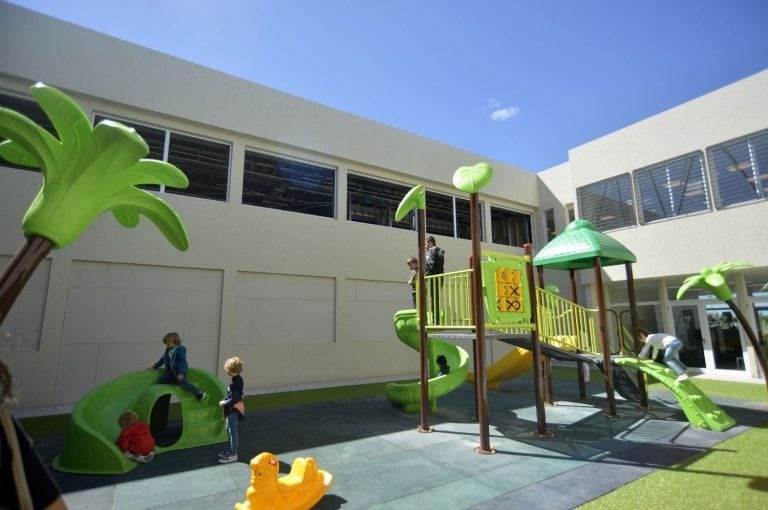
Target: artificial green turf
column 731, row 475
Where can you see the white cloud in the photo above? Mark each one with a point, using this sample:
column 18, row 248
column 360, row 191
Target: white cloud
column 504, row 114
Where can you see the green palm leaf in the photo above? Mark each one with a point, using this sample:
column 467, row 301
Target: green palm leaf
column 472, row 179
column 415, row 198
column 28, row 144
column 87, row 171
column 712, row 279
column 129, row 203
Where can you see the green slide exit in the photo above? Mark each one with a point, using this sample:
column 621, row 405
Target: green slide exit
column 698, row 408
column 408, row 395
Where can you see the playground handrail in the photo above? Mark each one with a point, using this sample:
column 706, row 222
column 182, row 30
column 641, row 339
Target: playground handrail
column 562, row 323
column 565, row 324
column 449, row 300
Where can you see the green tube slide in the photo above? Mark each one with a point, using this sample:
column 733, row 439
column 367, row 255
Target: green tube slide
column 89, row 446
column 408, row 395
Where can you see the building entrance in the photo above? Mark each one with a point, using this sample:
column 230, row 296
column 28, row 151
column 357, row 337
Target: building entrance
column 710, row 335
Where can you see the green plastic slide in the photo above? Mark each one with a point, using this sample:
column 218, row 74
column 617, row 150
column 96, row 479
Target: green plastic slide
column 701, row 412
column 89, row 446
column 408, row 395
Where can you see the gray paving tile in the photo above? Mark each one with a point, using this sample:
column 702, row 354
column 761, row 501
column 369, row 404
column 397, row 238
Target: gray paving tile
column 169, row 490
column 386, row 478
column 451, row 496
column 380, row 461
column 529, row 471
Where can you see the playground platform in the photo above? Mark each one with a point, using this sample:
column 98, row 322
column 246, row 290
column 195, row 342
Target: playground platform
column 380, row 461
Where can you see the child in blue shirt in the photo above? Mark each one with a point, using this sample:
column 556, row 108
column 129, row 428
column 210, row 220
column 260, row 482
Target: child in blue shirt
column 233, row 408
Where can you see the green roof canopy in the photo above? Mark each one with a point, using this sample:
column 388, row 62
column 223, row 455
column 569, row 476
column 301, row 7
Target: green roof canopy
column 578, row 245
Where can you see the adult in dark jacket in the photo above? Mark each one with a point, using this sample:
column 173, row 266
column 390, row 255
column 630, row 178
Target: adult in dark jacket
column 433, row 265
column 174, row 360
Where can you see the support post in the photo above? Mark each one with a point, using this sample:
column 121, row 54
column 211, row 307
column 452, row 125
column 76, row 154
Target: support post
column 546, row 372
column 607, row 368
column 642, row 388
column 422, row 313
column 541, row 420
column 478, row 316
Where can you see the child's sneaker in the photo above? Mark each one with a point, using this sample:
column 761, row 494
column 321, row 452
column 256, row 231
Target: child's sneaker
column 202, row 397
column 145, row 458
column 228, row 459
column 221, row 455
column 681, row 377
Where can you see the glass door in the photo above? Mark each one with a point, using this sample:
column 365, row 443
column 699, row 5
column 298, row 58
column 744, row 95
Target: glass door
column 688, row 329
column 725, row 338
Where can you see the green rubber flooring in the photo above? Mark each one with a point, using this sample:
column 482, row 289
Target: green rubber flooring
column 380, row 461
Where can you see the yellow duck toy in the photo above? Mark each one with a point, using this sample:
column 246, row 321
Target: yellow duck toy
column 298, row 490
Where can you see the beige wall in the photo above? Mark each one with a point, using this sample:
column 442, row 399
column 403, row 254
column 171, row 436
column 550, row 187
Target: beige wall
column 678, row 246
column 304, row 300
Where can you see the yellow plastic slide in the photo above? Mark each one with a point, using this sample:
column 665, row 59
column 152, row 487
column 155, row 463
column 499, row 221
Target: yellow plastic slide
column 515, row 363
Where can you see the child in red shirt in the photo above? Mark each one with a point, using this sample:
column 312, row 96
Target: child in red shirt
column 135, row 440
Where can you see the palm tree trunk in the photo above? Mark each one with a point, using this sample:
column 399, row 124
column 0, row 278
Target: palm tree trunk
column 752, row 339
column 19, row 271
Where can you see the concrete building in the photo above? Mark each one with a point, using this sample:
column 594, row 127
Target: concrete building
column 296, row 261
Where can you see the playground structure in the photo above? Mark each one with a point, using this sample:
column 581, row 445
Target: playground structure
column 89, row 446
column 499, row 295
column 565, row 331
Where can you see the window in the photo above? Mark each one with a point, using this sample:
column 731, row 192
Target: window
column 439, row 214
column 449, row 216
column 607, row 204
column 510, row 228
column 571, row 212
column 29, row 108
column 739, row 169
column 204, row 162
column 288, row 185
column 673, row 188
column 375, row 202
column 549, row 222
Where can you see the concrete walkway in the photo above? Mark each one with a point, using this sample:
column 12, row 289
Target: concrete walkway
column 380, row 461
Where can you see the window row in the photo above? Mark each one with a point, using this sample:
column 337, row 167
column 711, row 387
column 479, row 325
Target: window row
column 277, row 182
column 737, row 174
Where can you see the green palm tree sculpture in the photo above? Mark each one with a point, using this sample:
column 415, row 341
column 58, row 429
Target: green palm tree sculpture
column 86, row 171
column 713, row 279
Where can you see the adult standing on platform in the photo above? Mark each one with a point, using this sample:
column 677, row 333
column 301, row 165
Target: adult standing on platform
column 434, row 264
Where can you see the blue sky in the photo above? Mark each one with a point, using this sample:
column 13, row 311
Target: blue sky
column 520, row 81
